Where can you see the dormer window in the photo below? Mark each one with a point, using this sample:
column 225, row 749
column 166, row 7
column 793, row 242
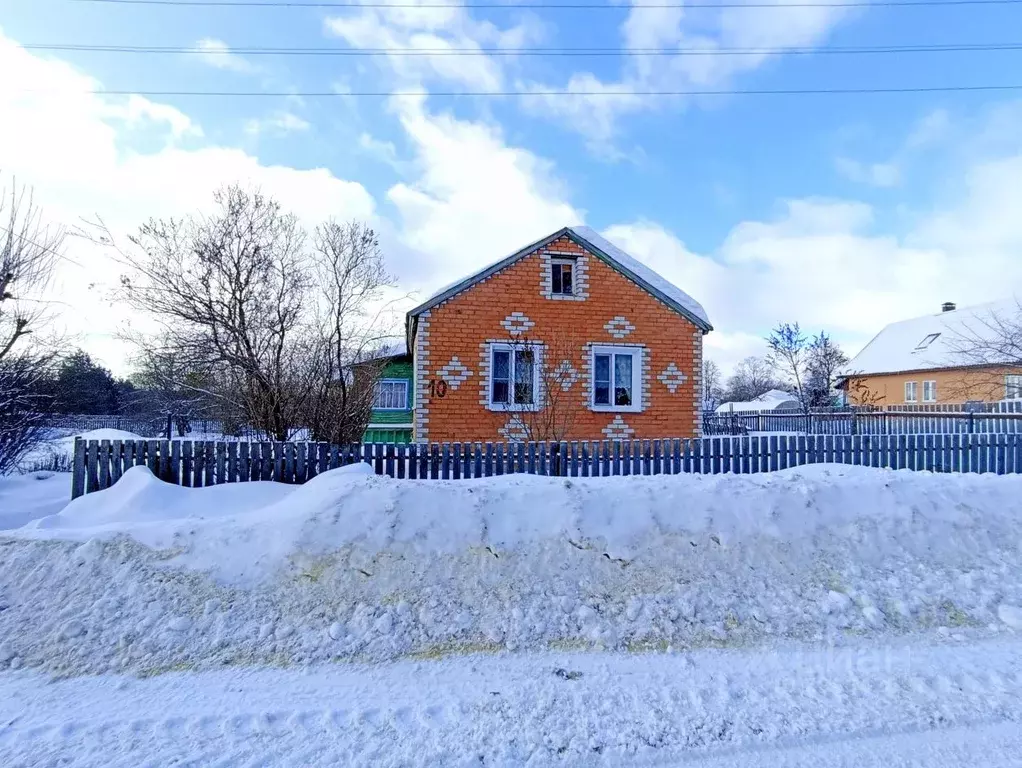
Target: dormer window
column 562, row 274
column 927, row 341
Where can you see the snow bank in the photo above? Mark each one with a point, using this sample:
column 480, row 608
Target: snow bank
column 27, row 497
column 146, row 576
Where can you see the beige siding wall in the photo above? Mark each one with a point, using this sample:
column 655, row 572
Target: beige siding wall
column 952, row 385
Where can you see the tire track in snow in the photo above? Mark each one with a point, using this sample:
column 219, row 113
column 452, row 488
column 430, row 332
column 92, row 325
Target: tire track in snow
column 511, row 709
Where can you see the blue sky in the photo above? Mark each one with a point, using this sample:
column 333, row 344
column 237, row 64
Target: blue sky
column 841, row 211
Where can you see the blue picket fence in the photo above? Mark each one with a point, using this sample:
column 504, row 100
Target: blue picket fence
column 99, row 464
column 865, row 423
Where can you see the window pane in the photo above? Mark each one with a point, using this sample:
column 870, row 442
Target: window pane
column 500, row 376
column 555, row 278
column 524, row 366
column 566, row 279
column 601, row 379
column 622, row 379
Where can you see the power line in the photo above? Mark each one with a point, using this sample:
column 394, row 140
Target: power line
column 570, row 52
column 565, row 94
column 548, row 5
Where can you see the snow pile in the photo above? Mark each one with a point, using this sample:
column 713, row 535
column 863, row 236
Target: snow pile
column 27, row 497
column 147, row 577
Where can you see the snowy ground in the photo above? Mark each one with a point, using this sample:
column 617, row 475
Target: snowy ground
column 920, row 704
column 828, row 615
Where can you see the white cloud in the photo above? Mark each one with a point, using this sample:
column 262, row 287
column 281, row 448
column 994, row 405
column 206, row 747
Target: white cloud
column 821, row 263
column 929, row 131
column 774, row 28
column 384, row 151
column 475, row 198
column 216, row 53
column 279, row 123
column 78, row 151
column 438, row 31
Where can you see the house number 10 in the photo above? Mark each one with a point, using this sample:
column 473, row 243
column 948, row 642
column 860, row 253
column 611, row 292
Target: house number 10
column 437, row 388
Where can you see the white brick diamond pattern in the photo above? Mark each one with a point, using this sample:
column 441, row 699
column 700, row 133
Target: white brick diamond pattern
column 517, row 323
column 618, row 429
column 565, row 375
column 514, row 431
column 672, row 377
column 455, row 373
column 619, row 327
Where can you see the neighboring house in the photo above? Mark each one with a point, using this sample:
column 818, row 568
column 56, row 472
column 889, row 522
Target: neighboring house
column 953, row 356
column 774, row 400
column 568, row 338
column 391, row 420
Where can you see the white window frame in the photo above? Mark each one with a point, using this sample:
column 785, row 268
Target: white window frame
column 927, row 341
column 930, row 391
column 616, row 349
column 914, row 387
column 1013, row 386
column 403, row 382
column 537, row 358
column 574, row 274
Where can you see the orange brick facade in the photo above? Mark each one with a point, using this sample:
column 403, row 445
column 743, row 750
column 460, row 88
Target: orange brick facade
column 515, row 306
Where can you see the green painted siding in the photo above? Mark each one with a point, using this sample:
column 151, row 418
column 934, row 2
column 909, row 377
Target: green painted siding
column 378, row 431
column 387, row 436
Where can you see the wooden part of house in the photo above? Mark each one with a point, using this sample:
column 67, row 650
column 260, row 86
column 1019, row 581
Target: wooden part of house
column 947, row 385
column 392, row 416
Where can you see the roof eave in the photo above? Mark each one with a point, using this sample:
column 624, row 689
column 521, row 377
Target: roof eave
column 703, row 325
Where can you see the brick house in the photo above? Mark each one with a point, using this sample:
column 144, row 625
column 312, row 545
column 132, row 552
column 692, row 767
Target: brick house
column 568, row 338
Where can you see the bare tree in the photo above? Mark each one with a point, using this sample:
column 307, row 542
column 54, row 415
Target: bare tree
column 985, row 351
column 349, row 268
column 861, row 394
column 789, row 351
column 824, row 360
column 559, row 399
column 713, row 389
column 751, row 378
column 271, row 319
column 29, row 251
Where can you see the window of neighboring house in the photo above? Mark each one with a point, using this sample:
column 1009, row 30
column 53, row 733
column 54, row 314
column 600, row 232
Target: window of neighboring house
column 927, row 341
column 929, row 391
column 391, row 395
column 1013, row 386
column 513, row 376
column 616, row 378
column 562, row 273
column 910, row 391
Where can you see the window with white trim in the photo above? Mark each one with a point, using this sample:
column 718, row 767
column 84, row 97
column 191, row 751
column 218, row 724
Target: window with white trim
column 616, row 378
column 929, row 391
column 927, row 341
column 911, row 391
column 562, row 277
column 1013, row 386
column 391, row 395
column 514, row 376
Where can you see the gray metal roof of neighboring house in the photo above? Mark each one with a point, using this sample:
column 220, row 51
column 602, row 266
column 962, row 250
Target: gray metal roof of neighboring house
column 933, row 341
column 592, row 241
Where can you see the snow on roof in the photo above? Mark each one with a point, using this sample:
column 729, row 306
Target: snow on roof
column 654, row 281
column 768, row 401
column 640, row 270
column 930, row 341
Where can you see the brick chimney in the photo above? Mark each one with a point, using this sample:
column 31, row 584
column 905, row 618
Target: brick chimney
column 947, row 306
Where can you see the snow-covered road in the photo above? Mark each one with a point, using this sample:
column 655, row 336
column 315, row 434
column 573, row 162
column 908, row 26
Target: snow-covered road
column 947, row 703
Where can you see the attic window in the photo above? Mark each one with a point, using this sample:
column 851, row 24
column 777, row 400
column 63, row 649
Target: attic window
column 562, row 272
column 927, row 341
